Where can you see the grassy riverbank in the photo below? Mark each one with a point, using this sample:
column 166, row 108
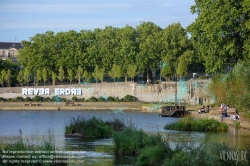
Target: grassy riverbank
column 191, row 124
column 56, row 106
column 215, row 113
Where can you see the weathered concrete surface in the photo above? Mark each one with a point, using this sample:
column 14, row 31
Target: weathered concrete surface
column 187, row 91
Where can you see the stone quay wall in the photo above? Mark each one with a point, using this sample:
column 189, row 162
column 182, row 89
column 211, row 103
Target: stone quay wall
column 187, row 91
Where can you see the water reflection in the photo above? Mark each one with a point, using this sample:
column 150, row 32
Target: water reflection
column 37, row 126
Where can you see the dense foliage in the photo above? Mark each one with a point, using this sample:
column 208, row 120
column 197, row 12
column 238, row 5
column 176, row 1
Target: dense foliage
column 114, row 52
column 233, row 88
column 8, row 72
column 220, row 33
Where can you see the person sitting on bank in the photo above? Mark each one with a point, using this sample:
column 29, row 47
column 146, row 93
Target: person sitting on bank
column 237, row 116
column 232, row 116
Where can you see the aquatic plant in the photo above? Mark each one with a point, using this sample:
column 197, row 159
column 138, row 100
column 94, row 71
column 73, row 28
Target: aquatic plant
column 190, row 124
column 154, row 155
column 93, row 127
column 132, row 140
column 26, row 153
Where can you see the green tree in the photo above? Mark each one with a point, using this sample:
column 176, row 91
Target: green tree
column 87, row 76
column 116, row 72
column 38, row 76
column 40, row 52
column 20, row 77
column 70, row 75
column 126, row 49
column 184, row 61
column 220, row 33
column 8, row 77
column 131, row 72
column 98, row 74
column 45, row 76
column 79, row 74
column 149, row 46
column 26, row 75
column 175, row 41
column 61, row 74
column 54, row 77
column 3, row 77
column 233, row 88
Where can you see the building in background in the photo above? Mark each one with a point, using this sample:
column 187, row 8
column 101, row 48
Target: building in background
column 9, row 50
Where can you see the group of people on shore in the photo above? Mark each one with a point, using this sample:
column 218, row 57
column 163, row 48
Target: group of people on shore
column 205, row 109
column 233, row 114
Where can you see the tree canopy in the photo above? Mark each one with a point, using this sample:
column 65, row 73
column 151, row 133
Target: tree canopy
column 144, row 46
column 220, row 33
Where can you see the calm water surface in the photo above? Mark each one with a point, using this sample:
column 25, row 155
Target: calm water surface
column 39, row 125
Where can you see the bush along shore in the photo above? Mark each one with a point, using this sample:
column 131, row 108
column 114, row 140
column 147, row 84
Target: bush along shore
column 153, row 149
column 191, row 124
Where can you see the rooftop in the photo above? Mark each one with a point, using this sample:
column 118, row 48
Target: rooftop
column 7, row 45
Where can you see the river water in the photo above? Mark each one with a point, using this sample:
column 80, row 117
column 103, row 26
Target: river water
column 36, row 126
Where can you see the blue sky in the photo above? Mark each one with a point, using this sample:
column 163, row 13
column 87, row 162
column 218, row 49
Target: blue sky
column 21, row 19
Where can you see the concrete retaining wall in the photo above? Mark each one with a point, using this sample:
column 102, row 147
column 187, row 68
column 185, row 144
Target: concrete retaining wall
column 187, row 91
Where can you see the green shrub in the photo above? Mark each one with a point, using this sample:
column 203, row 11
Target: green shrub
column 19, row 98
column 56, row 99
column 116, row 99
column 2, row 99
column 92, row 98
column 157, row 82
column 101, row 98
column 74, row 98
column 28, row 99
column 47, row 99
column 65, row 100
column 37, row 98
column 129, row 98
column 82, row 99
column 110, row 98
column 9, row 99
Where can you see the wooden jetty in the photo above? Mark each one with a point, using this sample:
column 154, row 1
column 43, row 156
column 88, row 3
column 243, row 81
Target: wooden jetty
column 173, row 111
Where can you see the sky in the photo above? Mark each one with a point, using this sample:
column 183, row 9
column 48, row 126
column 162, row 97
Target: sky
column 22, row 19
